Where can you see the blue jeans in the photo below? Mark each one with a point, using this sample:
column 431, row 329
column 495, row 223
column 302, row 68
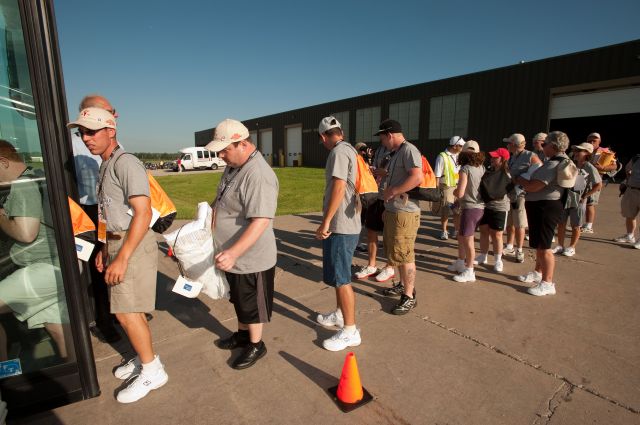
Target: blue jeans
column 337, row 255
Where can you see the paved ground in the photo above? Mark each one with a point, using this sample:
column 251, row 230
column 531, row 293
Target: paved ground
column 481, row 353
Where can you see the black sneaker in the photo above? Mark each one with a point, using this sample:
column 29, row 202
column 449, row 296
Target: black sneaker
column 405, row 304
column 397, row 289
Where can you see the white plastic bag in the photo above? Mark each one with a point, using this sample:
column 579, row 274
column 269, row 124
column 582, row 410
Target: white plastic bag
column 192, row 245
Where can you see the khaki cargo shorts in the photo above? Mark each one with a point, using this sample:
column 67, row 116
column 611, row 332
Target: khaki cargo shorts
column 518, row 217
column 630, row 203
column 447, row 199
column 399, row 236
column 137, row 293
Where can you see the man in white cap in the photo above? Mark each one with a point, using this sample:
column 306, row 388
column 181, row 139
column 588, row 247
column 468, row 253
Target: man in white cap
column 538, row 142
column 604, row 166
column 519, row 162
column 123, row 186
column 446, row 170
column 244, row 208
column 339, row 232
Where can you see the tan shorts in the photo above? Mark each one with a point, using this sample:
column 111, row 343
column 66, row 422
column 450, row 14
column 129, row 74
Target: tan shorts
column 630, row 204
column 518, row 218
column 448, row 199
column 399, row 236
column 137, row 293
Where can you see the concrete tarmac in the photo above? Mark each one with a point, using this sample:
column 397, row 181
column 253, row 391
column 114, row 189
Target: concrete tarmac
column 474, row 353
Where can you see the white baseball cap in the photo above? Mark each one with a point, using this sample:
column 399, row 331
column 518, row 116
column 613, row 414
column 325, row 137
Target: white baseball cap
column 456, row 140
column 328, row 123
column 594, row 136
column 94, row 119
column 227, row 132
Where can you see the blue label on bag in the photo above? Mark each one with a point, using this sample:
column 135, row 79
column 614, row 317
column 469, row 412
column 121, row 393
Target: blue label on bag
column 187, row 287
column 79, row 247
column 10, row 368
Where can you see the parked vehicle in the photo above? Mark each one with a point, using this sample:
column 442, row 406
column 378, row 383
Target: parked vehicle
column 194, row 158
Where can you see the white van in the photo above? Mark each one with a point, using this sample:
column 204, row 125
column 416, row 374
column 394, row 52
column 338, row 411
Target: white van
column 198, row 158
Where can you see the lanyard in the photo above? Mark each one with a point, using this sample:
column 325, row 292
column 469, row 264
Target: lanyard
column 230, row 178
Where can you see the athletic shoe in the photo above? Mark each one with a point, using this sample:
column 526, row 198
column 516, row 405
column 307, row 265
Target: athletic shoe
column 128, row 369
column 520, row 256
column 531, row 277
column 626, row 239
column 508, row 251
column 466, row 276
column 331, row 319
column 637, row 246
column 366, row 271
column 569, row 252
column 444, row 235
column 498, row 266
column 526, row 237
column 542, row 288
column 142, row 385
column 386, row 274
column 405, row 304
column 457, row 266
column 586, row 230
column 341, row 340
column 481, row 259
column 454, row 235
column 558, row 249
column 397, row 289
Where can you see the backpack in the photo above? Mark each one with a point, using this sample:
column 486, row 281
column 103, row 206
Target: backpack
column 494, row 185
column 365, row 185
column 567, row 172
column 160, row 202
column 427, row 190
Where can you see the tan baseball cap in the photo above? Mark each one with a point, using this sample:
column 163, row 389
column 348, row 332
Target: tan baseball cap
column 583, row 147
column 227, row 132
column 94, row 119
column 471, row 145
column 516, row 139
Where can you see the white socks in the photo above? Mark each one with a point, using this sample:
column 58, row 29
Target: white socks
column 152, row 367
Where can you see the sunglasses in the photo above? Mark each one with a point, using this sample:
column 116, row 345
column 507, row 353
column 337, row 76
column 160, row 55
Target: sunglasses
column 87, row 132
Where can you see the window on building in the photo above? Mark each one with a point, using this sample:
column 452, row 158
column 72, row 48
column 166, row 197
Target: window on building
column 367, row 122
column 408, row 115
column 449, row 116
column 343, row 118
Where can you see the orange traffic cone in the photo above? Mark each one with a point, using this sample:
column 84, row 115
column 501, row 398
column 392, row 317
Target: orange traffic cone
column 349, row 394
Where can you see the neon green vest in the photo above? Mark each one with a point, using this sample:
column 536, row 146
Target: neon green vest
column 449, row 174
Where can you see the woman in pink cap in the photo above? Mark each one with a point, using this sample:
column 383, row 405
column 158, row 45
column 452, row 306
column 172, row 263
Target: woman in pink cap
column 496, row 185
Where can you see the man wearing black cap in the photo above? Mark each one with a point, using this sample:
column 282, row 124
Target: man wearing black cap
column 401, row 216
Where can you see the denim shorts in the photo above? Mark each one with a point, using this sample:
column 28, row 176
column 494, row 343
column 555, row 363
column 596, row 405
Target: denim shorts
column 337, row 255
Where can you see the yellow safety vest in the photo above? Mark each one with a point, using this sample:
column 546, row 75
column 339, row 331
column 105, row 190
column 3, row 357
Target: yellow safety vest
column 449, row 174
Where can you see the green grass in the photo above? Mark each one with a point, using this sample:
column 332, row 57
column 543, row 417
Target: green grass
column 301, row 190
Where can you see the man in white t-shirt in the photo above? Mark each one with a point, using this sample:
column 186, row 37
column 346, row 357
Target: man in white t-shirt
column 446, row 171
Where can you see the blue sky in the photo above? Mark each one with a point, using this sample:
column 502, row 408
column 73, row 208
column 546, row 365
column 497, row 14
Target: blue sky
column 175, row 67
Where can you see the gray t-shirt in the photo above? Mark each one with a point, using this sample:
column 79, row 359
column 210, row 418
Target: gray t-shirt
column 122, row 176
column 547, row 174
column 341, row 164
column 520, row 162
column 25, row 200
column 634, row 179
column 247, row 192
column 404, row 159
column 472, row 198
column 592, row 175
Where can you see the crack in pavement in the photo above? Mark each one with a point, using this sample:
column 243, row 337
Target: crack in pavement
column 530, row 364
column 563, row 393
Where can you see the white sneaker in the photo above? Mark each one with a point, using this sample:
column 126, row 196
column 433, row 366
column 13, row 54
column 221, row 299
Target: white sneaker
column 498, row 266
column 508, row 251
column 531, row 277
column 586, row 230
column 637, row 246
column 457, row 266
column 569, row 252
column 626, row 239
column 341, row 340
column 365, row 271
column 331, row 319
column 444, row 235
column 542, row 288
column 386, row 274
column 466, row 276
column 481, row 259
column 558, row 249
column 142, row 385
column 129, row 369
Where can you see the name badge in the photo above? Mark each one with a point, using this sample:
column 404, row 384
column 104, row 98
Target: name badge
column 102, row 231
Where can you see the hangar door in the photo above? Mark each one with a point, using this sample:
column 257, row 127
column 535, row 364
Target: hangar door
column 612, row 113
column 266, row 145
column 294, row 146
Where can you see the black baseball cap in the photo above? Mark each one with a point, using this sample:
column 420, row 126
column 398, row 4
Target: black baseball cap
column 389, row 126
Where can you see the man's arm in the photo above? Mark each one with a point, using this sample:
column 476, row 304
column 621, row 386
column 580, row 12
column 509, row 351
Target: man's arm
column 414, row 179
column 530, row 185
column 226, row 259
column 141, row 206
column 21, row 229
column 338, row 187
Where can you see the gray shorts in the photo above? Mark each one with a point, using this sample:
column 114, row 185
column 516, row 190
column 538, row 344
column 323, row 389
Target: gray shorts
column 137, row 293
column 518, row 216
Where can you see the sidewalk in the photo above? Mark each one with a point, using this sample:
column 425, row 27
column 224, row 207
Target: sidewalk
column 479, row 353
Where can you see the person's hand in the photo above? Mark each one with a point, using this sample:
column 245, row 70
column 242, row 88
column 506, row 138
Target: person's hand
column 225, row 260
column 101, row 260
column 323, row 232
column 116, row 271
column 380, row 172
column 389, row 194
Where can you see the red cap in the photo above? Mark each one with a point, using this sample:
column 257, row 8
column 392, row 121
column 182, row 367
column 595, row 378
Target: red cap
column 500, row 153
